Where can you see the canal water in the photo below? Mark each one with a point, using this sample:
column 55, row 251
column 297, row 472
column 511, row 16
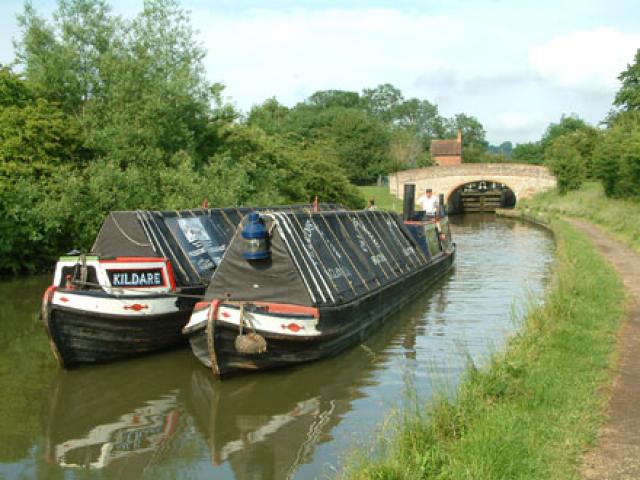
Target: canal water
column 165, row 416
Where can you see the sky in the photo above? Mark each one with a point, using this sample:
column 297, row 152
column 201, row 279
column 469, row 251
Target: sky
column 515, row 65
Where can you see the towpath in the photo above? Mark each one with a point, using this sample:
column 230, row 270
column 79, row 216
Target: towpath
column 617, row 453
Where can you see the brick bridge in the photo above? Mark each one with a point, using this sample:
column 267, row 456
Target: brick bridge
column 524, row 180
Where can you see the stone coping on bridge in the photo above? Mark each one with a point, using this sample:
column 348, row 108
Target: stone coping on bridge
column 523, row 179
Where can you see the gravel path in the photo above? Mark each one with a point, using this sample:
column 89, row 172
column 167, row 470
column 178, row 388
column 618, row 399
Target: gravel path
column 617, row 452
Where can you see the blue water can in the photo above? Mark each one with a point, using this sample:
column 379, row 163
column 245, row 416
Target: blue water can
column 256, row 238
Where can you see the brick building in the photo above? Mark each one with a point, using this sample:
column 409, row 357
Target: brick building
column 447, row 152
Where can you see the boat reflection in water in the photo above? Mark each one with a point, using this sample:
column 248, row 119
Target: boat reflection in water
column 268, row 426
column 140, row 419
column 117, row 418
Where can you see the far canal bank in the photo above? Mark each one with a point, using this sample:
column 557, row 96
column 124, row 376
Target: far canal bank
column 538, row 406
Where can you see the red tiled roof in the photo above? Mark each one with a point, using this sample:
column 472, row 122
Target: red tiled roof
column 445, row 147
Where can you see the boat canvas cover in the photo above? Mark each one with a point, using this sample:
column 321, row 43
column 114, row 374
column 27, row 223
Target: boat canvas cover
column 194, row 241
column 319, row 259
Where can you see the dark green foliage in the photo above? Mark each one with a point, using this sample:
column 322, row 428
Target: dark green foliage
column 529, row 152
column 616, row 158
column 505, row 148
column 628, row 97
column 566, row 163
column 116, row 113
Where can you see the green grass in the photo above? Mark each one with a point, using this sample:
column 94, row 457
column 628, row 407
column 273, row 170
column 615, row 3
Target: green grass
column 529, row 413
column 382, row 198
column 620, row 218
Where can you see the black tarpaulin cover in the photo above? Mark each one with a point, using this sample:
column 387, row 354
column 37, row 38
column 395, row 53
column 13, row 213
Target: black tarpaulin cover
column 194, row 241
column 323, row 258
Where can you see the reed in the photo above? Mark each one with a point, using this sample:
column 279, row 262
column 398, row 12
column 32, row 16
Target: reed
column 533, row 408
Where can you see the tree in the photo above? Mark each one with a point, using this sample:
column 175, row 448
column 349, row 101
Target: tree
column 64, row 61
column 628, row 97
column 270, row 116
column 334, row 98
column 36, row 137
column 138, row 86
column 567, row 124
column 616, row 157
column 564, row 160
column 473, row 132
column 383, row 101
column 420, row 117
column 528, row 152
column 361, row 144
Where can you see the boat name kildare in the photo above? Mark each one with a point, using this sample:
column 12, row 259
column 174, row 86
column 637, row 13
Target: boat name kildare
column 142, row 278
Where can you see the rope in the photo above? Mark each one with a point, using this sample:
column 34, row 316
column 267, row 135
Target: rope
column 124, row 234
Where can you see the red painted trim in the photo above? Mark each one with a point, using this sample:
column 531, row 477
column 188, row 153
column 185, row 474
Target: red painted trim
column 172, row 278
column 201, row 306
column 288, row 308
column 137, row 307
column 284, row 308
column 48, row 293
column 133, row 259
column 294, row 327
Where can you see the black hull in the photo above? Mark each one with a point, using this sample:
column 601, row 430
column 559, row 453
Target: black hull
column 80, row 337
column 343, row 327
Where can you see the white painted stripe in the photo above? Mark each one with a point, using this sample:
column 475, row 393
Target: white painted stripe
column 302, row 249
column 272, row 322
column 293, row 257
column 115, row 305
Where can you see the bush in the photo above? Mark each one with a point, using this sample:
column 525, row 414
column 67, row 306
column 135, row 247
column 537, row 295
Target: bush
column 616, row 158
column 566, row 163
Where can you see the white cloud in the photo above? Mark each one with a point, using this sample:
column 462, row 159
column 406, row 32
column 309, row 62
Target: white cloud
column 589, row 61
column 515, row 124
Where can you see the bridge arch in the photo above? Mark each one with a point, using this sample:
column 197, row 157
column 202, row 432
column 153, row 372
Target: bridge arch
column 522, row 179
column 480, row 195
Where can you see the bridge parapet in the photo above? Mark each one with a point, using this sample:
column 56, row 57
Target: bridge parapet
column 523, row 179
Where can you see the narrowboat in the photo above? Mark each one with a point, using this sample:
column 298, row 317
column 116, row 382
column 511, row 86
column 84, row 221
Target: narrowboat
column 295, row 287
column 134, row 292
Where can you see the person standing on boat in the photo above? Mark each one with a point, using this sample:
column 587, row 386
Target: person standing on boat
column 372, row 204
column 428, row 203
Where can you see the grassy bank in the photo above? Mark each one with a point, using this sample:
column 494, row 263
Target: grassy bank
column 531, row 411
column 382, row 197
column 620, row 218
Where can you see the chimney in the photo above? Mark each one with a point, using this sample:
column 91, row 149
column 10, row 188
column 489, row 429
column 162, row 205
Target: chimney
column 409, row 201
column 459, row 135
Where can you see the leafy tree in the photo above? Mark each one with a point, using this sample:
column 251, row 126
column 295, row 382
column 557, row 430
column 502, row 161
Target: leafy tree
column 334, row 98
column 567, row 124
column 628, row 97
column 505, row 148
column 528, row 152
column 420, row 117
column 383, row 101
column 64, row 61
column 473, row 132
column 361, row 144
column 36, row 137
column 407, row 151
column 270, row 116
column 616, row 157
column 564, row 160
